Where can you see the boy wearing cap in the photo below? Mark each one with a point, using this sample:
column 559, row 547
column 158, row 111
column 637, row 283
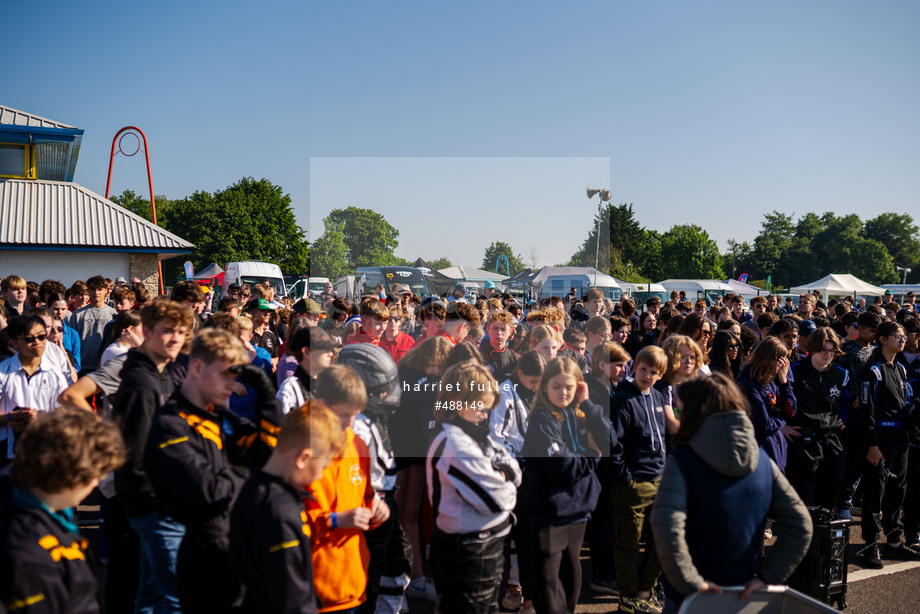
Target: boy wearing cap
column 261, row 312
column 458, row 294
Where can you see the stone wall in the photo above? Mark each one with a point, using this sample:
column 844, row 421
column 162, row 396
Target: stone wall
column 144, row 267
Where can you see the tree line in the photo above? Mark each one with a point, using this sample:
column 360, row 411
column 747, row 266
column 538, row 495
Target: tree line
column 253, row 220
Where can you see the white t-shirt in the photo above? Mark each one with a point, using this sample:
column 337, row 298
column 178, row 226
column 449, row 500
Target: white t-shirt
column 114, row 350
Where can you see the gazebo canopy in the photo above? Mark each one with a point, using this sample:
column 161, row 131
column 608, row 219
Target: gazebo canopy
column 839, row 284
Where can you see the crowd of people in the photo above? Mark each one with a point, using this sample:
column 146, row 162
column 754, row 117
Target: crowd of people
column 257, row 454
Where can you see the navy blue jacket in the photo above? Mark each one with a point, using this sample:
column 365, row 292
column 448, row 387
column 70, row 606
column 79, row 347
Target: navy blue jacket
column 561, row 466
column 637, row 434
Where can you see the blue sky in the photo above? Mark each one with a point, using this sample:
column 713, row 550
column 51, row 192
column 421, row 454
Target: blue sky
column 706, row 112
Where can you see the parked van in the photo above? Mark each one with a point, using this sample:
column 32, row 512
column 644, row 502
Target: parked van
column 641, row 292
column 559, row 281
column 365, row 280
column 706, row 289
column 308, row 286
column 251, row 272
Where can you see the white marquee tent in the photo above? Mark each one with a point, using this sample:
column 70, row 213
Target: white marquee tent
column 839, row 284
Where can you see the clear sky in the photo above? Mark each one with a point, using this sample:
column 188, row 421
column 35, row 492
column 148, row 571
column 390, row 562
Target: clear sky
column 706, row 112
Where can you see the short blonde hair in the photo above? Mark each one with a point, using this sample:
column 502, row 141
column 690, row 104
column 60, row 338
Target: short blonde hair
column 213, row 344
column 653, row 356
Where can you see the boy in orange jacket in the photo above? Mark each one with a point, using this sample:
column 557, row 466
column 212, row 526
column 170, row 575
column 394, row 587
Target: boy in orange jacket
column 343, row 504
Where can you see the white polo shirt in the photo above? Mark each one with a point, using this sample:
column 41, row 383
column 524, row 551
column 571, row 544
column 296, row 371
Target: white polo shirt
column 17, row 389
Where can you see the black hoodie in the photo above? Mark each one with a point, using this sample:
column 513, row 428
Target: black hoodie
column 143, row 391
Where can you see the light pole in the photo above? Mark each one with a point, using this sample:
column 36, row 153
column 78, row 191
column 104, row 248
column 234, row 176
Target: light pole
column 906, row 272
column 603, row 195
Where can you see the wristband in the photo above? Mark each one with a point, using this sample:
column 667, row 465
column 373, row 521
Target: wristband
column 334, row 520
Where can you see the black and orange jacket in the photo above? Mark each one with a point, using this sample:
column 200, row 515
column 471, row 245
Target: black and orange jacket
column 43, row 567
column 270, row 547
column 187, row 460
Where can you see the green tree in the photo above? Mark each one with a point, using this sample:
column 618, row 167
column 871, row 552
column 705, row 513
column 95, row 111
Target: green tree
column 369, row 238
column 439, row 263
column 687, row 252
column 329, row 255
column 898, row 233
column 497, row 249
column 250, row 220
column 141, row 206
column 736, row 259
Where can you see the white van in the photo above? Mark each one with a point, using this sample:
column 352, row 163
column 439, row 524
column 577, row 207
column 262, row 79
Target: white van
column 311, row 286
column 253, row 273
column 707, row 289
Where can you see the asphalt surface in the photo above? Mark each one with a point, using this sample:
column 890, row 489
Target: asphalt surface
column 893, row 590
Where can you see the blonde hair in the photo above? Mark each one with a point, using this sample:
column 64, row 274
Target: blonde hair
column 540, row 333
column 654, row 357
column 476, row 385
column 245, row 321
column 672, row 347
column 429, row 353
column 214, row 344
column 560, row 365
column 608, row 352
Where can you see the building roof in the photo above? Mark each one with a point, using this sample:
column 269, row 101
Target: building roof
column 16, row 117
column 67, row 215
column 467, row 272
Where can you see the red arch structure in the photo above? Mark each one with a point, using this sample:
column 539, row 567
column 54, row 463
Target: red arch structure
column 117, row 142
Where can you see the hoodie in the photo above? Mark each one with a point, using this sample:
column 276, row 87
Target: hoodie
column 712, row 504
column 637, row 434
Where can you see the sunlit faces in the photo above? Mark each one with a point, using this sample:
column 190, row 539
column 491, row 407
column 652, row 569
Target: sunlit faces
column 645, row 376
column 97, row 296
column 59, row 309
column 499, row 333
column 32, row 345
column 165, row 339
column 615, row 370
column 393, row 326
column 593, row 307
column 372, row 326
column 894, row 342
column 215, row 381
column 790, row 338
column 124, row 305
column 17, row 296
column 548, row 347
column 560, row 390
column 318, row 360
column 687, row 361
column 650, row 322
column 621, row 335
column 735, row 328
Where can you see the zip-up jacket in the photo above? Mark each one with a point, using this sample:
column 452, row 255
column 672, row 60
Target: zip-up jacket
column 637, row 434
column 370, row 426
column 44, row 568
column 508, row 420
column 340, row 555
column 295, row 390
column 470, row 494
column 187, row 460
column 142, row 392
column 771, row 406
column 884, row 399
column 561, row 466
column 270, row 547
column 821, row 397
column 853, row 360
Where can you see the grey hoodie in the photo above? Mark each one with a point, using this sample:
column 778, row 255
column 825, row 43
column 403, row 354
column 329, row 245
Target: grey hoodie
column 726, row 442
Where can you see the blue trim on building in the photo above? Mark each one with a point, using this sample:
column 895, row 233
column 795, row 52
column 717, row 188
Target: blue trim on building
column 20, row 134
